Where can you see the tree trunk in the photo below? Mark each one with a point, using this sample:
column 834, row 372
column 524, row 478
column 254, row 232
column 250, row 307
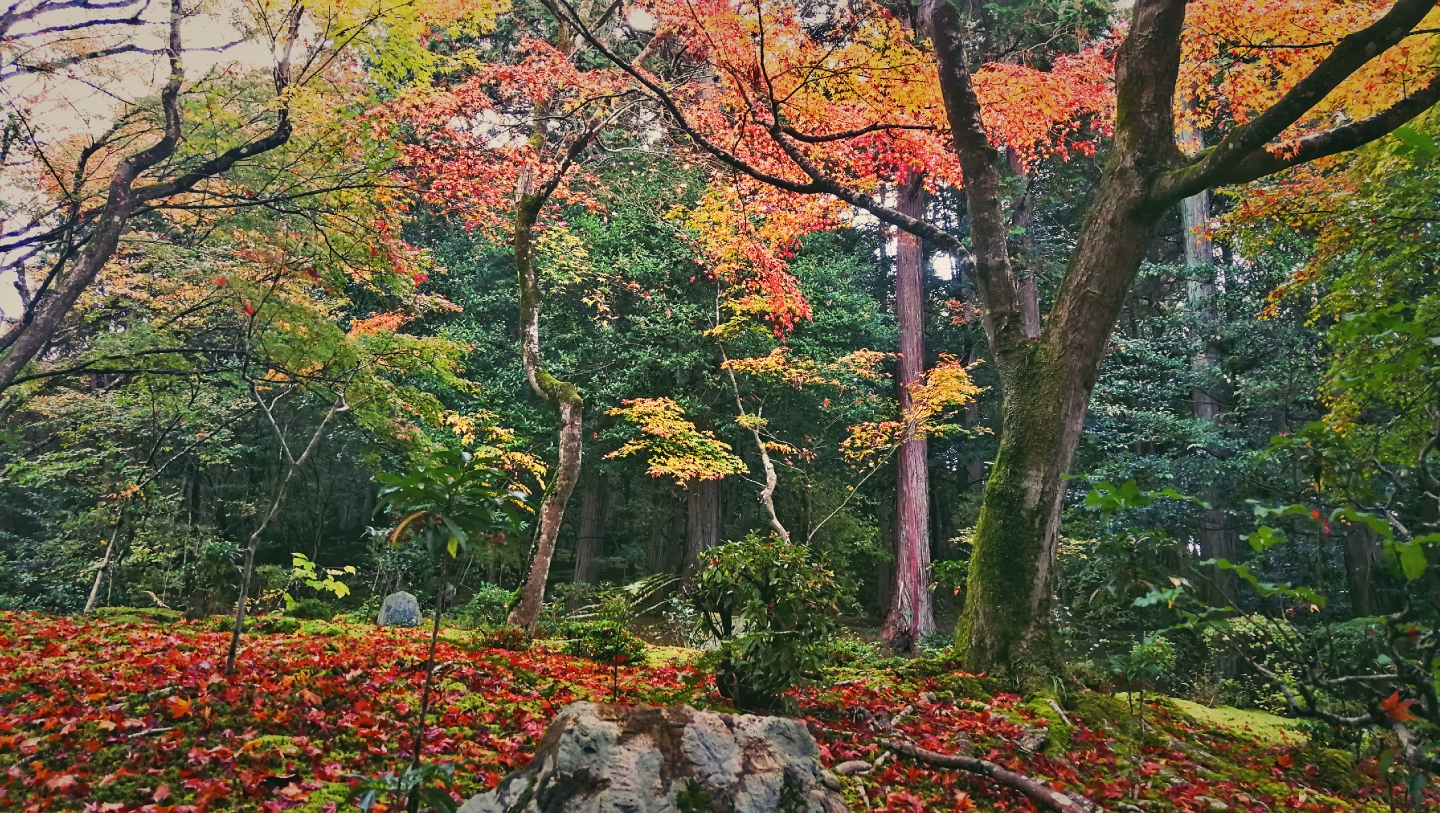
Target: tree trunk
column 1046, row 383
column 1362, row 563
column 592, row 529
column 702, row 522
column 1216, row 538
column 560, row 395
column 911, row 612
column 94, row 597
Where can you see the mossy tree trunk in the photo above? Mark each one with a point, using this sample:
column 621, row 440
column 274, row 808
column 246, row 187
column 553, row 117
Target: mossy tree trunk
column 1046, row 381
column 562, row 396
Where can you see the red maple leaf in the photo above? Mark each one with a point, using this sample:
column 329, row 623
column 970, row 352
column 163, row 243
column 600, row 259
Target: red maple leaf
column 1397, row 709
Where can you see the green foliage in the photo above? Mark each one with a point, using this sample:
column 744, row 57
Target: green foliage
column 452, row 497
column 489, row 604
column 606, row 642
column 502, row 636
column 771, row 607
column 430, row 782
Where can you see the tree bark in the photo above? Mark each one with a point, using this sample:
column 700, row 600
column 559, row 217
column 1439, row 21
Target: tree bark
column 1217, row 540
column 94, row 598
column 1362, row 563
column 767, row 491
column 702, row 522
column 911, row 611
column 562, row 396
column 592, row 529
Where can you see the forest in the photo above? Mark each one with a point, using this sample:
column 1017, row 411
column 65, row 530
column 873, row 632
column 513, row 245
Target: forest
column 719, row 405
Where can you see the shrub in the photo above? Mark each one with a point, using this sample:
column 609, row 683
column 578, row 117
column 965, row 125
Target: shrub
column 772, row 609
column 489, row 606
column 604, row 642
column 311, row 609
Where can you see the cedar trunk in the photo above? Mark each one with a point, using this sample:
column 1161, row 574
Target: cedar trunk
column 1363, row 563
column 702, row 525
column 911, row 612
column 592, row 532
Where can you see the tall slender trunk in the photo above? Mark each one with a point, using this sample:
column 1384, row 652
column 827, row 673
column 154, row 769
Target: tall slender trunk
column 592, row 530
column 702, row 522
column 1022, row 224
column 560, row 395
column 1217, row 540
column 767, row 491
column 911, row 612
column 291, row 464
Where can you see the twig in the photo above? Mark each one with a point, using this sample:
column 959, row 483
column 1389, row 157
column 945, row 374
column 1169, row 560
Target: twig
column 1033, row 789
column 1064, row 718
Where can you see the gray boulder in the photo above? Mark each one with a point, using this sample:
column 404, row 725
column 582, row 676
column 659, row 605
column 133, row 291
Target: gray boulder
column 400, row 610
column 599, row 758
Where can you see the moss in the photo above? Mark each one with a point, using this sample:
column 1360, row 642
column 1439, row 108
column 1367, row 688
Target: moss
column 1336, row 768
column 1059, row 737
column 966, row 686
column 139, row 615
column 1258, row 725
column 323, row 628
column 332, row 792
column 1097, row 710
column 1000, row 632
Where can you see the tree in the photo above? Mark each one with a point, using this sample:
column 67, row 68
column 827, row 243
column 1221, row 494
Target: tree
column 158, row 154
column 1047, row 382
column 533, row 125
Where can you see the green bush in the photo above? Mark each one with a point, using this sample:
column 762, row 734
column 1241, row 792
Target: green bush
column 309, row 609
column 488, row 607
column 604, row 642
column 772, row 609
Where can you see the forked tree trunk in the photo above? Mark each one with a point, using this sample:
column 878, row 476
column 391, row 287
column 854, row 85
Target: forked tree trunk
column 592, row 531
column 1046, row 383
column 911, row 611
column 562, row 396
column 702, row 522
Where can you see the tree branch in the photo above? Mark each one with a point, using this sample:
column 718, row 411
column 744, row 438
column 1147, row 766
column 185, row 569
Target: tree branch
column 1353, row 52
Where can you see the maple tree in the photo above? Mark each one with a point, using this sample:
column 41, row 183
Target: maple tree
column 1276, row 121
column 156, row 155
column 529, row 126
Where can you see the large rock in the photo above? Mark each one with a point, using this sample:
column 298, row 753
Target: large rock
column 400, row 610
column 598, row 758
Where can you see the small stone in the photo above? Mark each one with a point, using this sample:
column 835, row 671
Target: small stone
column 1212, row 804
column 400, row 610
column 853, row 767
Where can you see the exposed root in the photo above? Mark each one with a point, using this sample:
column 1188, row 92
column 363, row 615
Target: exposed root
column 1034, row 790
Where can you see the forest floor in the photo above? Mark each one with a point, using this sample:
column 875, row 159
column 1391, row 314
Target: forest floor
column 126, row 714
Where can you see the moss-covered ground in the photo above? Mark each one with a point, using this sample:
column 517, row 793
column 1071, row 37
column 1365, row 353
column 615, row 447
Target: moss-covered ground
column 133, row 714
